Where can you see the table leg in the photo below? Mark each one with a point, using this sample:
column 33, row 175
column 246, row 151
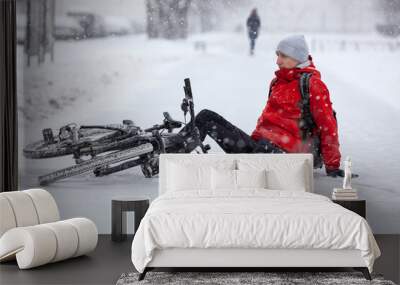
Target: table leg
column 118, row 222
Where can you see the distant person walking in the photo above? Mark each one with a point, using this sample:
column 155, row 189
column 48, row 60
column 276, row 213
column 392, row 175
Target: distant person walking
column 253, row 25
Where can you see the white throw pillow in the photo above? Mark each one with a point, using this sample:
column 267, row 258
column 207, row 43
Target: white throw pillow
column 290, row 174
column 188, row 177
column 251, row 178
column 227, row 179
column 293, row 179
column 223, row 179
column 190, row 174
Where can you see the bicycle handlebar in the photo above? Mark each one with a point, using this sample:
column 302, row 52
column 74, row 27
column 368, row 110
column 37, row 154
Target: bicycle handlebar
column 186, row 106
column 155, row 127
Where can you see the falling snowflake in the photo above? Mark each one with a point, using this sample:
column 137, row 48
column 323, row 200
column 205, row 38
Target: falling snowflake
column 240, row 143
column 285, row 139
column 228, row 141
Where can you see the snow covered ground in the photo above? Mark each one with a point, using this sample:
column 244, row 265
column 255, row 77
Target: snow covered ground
column 108, row 80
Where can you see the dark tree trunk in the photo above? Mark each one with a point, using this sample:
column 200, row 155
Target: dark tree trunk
column 152, row 18
column 39, row 38
column 207, row 14
column 167, row 18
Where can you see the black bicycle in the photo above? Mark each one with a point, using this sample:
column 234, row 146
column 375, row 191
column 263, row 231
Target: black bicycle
column 106, row 149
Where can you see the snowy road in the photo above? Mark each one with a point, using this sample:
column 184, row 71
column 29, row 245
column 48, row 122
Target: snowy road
column 103, row 81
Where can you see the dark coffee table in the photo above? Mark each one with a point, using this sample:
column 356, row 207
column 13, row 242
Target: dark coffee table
column 121, row 205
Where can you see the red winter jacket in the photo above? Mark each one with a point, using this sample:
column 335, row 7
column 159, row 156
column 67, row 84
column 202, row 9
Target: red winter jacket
column 279, row 121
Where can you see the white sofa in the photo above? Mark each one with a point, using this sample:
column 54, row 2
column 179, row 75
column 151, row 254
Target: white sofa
column 31, row 231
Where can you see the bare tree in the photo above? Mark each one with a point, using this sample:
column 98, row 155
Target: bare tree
column 207, row 14
column 167, row 18
column 391, row 12
column 152, row 18
column 39, row 38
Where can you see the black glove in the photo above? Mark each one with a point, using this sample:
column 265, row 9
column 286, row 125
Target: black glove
column 338, row 172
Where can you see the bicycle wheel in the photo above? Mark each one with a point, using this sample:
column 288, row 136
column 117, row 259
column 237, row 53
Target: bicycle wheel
column 61, row 147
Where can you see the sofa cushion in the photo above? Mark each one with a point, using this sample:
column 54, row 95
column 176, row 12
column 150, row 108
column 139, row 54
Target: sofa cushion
column 24, row 209
column 7, row 220
column 45, row 205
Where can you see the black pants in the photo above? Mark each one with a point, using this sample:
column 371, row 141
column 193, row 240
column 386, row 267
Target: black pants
column 252, row 43
column 252, row 38
column 229, row 137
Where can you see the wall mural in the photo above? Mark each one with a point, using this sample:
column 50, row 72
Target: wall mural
column 104, row 87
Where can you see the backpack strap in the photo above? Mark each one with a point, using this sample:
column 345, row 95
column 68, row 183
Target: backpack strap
column 270, row 86
column 306, row 123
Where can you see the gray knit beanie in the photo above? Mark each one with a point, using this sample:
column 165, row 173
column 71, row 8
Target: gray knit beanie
column 294, row 46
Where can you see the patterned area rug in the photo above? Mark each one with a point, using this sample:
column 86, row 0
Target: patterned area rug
column 269, row 278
